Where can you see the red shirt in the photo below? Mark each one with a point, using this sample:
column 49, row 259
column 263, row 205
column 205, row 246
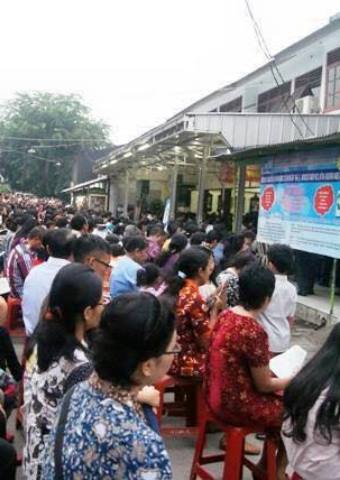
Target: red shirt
column 192, row 323
column 239, row 343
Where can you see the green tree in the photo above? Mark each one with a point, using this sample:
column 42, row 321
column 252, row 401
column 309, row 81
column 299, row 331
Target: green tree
column 40, row 136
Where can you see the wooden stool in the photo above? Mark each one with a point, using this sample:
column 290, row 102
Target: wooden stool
column 234, row 457
column 187, row 403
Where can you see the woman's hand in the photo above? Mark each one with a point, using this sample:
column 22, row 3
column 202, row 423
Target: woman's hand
column 149, row 395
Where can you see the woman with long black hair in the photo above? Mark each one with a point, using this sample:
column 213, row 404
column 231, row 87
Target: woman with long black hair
column 195, row 318
column 311, row 429
column 74, row 307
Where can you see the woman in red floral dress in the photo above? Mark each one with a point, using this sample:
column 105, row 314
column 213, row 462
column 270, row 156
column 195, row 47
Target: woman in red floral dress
column 239, row 386
column 194, row 317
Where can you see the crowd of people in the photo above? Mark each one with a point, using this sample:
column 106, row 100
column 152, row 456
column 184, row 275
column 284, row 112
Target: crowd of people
column 110, row 306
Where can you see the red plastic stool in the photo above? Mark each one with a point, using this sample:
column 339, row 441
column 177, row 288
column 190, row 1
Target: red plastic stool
column 234, row 457
column 188, row 401
column 14, row 323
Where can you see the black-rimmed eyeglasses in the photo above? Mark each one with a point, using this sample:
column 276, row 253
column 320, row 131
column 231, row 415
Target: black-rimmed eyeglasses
column 177, row 349
column 105, row 264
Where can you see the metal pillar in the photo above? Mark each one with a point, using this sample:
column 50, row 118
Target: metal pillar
column 239, row 207
column 113, row 196
column 126, row 195
column 173, row 193
column 201, row 184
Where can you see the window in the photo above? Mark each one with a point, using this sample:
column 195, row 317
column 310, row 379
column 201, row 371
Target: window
column 333, row 80
column 308, row 84
column 276, row 99
column 233, row 106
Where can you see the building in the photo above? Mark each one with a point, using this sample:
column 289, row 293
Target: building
column 294, row 97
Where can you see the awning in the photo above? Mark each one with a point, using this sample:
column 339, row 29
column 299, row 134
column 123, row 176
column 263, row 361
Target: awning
column 81, row 186
column 191, row 136
column 255, row 155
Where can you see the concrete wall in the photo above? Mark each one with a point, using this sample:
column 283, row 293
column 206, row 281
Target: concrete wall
column 293, row 62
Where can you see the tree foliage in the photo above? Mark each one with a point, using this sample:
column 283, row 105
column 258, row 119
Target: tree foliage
column 41, row 134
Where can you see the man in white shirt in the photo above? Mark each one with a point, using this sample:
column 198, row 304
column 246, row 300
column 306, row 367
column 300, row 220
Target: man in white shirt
column 279, row 315
column 38, row 282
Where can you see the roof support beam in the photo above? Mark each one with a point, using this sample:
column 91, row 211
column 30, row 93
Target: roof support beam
column 239, row 208
column 173, row 194
column 126, row 194
column 201, row 184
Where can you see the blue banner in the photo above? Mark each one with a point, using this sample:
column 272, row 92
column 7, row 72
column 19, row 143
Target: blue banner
column 300, row 201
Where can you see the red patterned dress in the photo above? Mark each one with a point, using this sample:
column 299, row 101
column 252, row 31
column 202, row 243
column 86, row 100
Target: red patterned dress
column 239, row 343
column 192, row 323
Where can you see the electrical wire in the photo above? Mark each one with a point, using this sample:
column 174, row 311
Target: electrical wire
column 273, row 65
column 25, row 139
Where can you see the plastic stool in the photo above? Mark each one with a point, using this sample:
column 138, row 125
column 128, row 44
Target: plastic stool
column 234, row 457
column 14, row 323
column 188, row 401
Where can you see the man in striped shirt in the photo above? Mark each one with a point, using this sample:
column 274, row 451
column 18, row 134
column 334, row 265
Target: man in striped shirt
column 21, row 259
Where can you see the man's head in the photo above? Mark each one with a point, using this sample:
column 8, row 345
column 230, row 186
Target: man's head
column 35, row 238
column 213, row 237
column 92, row 250
column 158, row 234
column 136, row 248
column 59, row 243
column 248, row 238
column 61, row 221
column 281, row 259
column 79, row 223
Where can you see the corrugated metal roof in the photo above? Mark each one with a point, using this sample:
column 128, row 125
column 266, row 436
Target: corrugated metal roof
column 235, row 131
column 255, row 155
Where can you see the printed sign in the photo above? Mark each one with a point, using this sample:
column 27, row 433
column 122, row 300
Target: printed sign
column 300, row 201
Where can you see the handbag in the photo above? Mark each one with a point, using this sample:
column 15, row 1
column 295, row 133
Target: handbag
column 59, row 438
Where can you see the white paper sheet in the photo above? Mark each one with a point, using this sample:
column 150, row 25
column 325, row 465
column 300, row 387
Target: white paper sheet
column 4, row 286
column 287, row 364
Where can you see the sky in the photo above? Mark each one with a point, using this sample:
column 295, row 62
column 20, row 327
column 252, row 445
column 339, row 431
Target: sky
column 138, row 62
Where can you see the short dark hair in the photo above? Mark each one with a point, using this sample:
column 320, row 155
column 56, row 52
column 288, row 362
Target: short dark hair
column 61, row 222
column 248, row 234
column 88, row 244
column 37, row 232
column 134, row 328
column 282, row 257
column 112, row 239
column 213, row 236
column 198, row 238
column 132, row 244
column 60, row 242
column 242, row 259
column 147, row 275
column 156, row 230
column 256, row 284
column 78, row 222
column 117, row 250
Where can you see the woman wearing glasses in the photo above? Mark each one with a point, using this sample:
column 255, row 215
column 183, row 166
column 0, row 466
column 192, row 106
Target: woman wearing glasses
column 101, row 422
column 74, row 306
